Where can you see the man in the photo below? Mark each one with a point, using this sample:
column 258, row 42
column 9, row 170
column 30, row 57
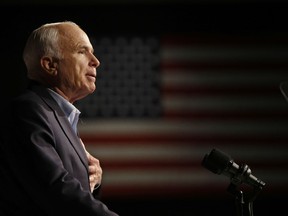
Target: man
column 44, row 167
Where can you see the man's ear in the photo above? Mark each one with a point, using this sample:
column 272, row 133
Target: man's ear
column 49, row 65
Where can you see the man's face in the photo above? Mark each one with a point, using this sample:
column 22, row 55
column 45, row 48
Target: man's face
column 77, row 67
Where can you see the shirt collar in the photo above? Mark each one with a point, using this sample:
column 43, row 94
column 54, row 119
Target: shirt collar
column 71, row 112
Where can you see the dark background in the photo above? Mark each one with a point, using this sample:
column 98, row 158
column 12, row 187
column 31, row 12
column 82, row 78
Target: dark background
column 134, row 18
column 254, row 18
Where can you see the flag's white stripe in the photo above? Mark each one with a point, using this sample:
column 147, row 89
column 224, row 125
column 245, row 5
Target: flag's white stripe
column 144, row 152
column 154, row 127
column 176, row 77
column 163, row 176
column 222, row 53
column 192, row 177
column 163, row 152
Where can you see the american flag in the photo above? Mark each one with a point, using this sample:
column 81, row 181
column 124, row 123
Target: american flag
column 212, row 91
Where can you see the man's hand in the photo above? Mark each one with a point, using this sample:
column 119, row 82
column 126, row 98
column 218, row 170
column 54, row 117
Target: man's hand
column 95, row 171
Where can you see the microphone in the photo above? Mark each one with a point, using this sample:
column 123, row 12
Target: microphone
column 284, row 89
column 220, row 163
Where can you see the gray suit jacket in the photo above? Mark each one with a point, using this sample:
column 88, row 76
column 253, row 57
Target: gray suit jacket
column 43, row 165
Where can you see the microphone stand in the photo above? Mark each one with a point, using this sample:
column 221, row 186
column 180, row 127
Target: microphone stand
column 243, row 201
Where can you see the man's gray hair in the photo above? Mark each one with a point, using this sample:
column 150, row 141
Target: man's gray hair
column 42, row 41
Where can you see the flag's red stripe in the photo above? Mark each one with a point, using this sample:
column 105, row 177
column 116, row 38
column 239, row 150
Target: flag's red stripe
column 182, row 164
column 223, row 90
column 186, row 40
column 238, row 115
column 159, row 190
column 216, row 65
column 134, row 138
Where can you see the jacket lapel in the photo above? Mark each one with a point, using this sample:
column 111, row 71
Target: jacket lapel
column 63, row 122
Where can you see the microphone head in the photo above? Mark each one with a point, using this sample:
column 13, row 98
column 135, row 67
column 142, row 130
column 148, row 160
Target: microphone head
column 220, row 163
column 216, row 161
